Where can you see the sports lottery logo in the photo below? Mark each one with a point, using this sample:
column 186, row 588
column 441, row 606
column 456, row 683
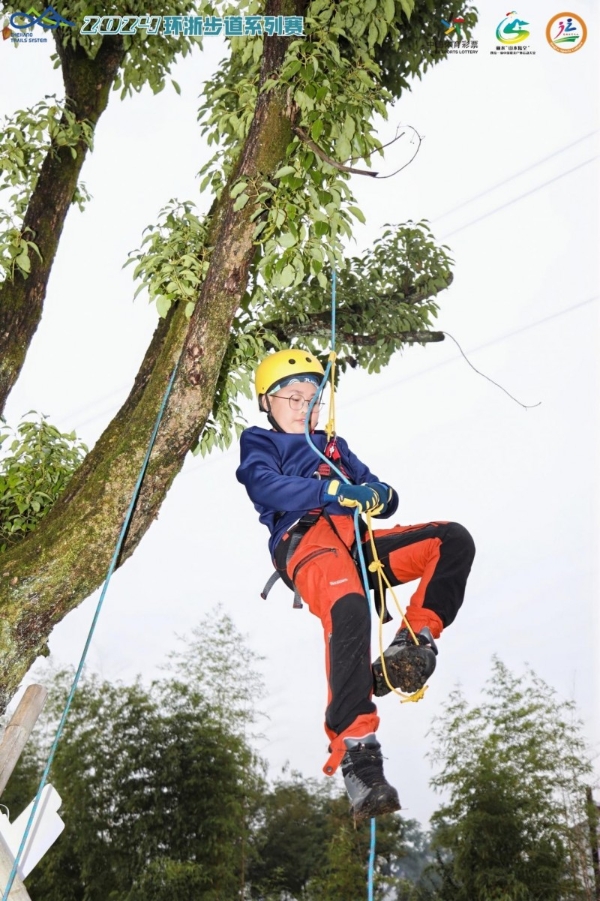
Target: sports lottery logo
column 454, row 26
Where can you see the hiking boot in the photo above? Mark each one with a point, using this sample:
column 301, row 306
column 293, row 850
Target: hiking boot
column 362, row 767
column 408, row 666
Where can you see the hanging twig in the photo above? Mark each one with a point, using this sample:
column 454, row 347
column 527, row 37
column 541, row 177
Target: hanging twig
column 343, row 167
column 419, row 140
column 327, row 159
column 381, row 146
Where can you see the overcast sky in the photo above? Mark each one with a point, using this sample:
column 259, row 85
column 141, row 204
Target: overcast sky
column 507, row 175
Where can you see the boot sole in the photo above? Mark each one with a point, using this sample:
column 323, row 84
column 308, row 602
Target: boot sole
column 407, row 669
column 381, row 800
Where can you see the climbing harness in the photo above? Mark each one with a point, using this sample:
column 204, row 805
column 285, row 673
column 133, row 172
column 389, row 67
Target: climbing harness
column 296, row 532
column 111, row 569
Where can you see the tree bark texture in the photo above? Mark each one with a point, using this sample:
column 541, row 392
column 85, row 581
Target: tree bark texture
column 61, row 563
column 87, row 87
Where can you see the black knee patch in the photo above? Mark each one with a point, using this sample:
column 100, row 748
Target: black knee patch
column 350, row 676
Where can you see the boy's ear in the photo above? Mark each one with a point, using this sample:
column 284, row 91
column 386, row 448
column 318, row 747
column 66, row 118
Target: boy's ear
column 262, row 404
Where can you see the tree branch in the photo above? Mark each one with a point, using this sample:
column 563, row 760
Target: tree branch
column 327, row 159
column 87, row 86
column 313, row 330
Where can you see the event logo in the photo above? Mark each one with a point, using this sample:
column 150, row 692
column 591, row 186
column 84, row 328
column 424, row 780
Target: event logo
column 25, row 22
column 511, row 30
column 454, row 27
column 49, row 19
column 566, row 32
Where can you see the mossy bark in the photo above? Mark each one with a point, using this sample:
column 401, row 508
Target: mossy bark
column 87, row 87
column 62, row 562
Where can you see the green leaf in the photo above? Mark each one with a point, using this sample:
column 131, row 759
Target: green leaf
column 238, row 188
column 285, row 170
column 357, row 213
column 287, row 240
column 163, row 305
column 316, row 129
column 389, row 10
column 343, row 148
column 241, row 202
column 287, row 276
column 291, row 69
column 22, row 261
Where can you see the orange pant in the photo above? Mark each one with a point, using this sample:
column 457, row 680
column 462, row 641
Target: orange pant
column 323, row 570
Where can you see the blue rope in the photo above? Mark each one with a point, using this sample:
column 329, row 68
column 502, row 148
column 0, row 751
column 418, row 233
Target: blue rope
column 111, row 569
column 371, row 860
column 361, row 556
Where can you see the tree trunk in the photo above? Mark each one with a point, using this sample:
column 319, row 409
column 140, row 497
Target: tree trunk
column 61, row 563
column 87, row 87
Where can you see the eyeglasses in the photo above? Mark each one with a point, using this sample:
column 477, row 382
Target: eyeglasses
column 297, row 402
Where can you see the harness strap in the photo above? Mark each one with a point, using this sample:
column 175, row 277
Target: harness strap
column 275, row 578
column 297, row 532
column 270, row 582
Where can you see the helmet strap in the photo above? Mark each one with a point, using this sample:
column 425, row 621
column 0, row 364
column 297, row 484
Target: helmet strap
column 270, row 417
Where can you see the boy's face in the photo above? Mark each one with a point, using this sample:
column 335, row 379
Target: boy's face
column 291, row 415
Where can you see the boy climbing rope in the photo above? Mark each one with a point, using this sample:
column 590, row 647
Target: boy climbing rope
column 309, row 512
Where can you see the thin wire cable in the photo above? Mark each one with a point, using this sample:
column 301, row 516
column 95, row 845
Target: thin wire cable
column 520, row 197
column 111, row 569
column 500, row 184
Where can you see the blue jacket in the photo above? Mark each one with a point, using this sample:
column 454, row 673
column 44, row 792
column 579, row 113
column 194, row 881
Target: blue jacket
column 279, row 473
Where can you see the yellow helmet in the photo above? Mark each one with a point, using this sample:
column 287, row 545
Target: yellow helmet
column 277, row 368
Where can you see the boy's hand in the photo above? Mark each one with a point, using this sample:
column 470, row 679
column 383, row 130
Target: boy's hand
column 365, row 497
column 385, row 494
